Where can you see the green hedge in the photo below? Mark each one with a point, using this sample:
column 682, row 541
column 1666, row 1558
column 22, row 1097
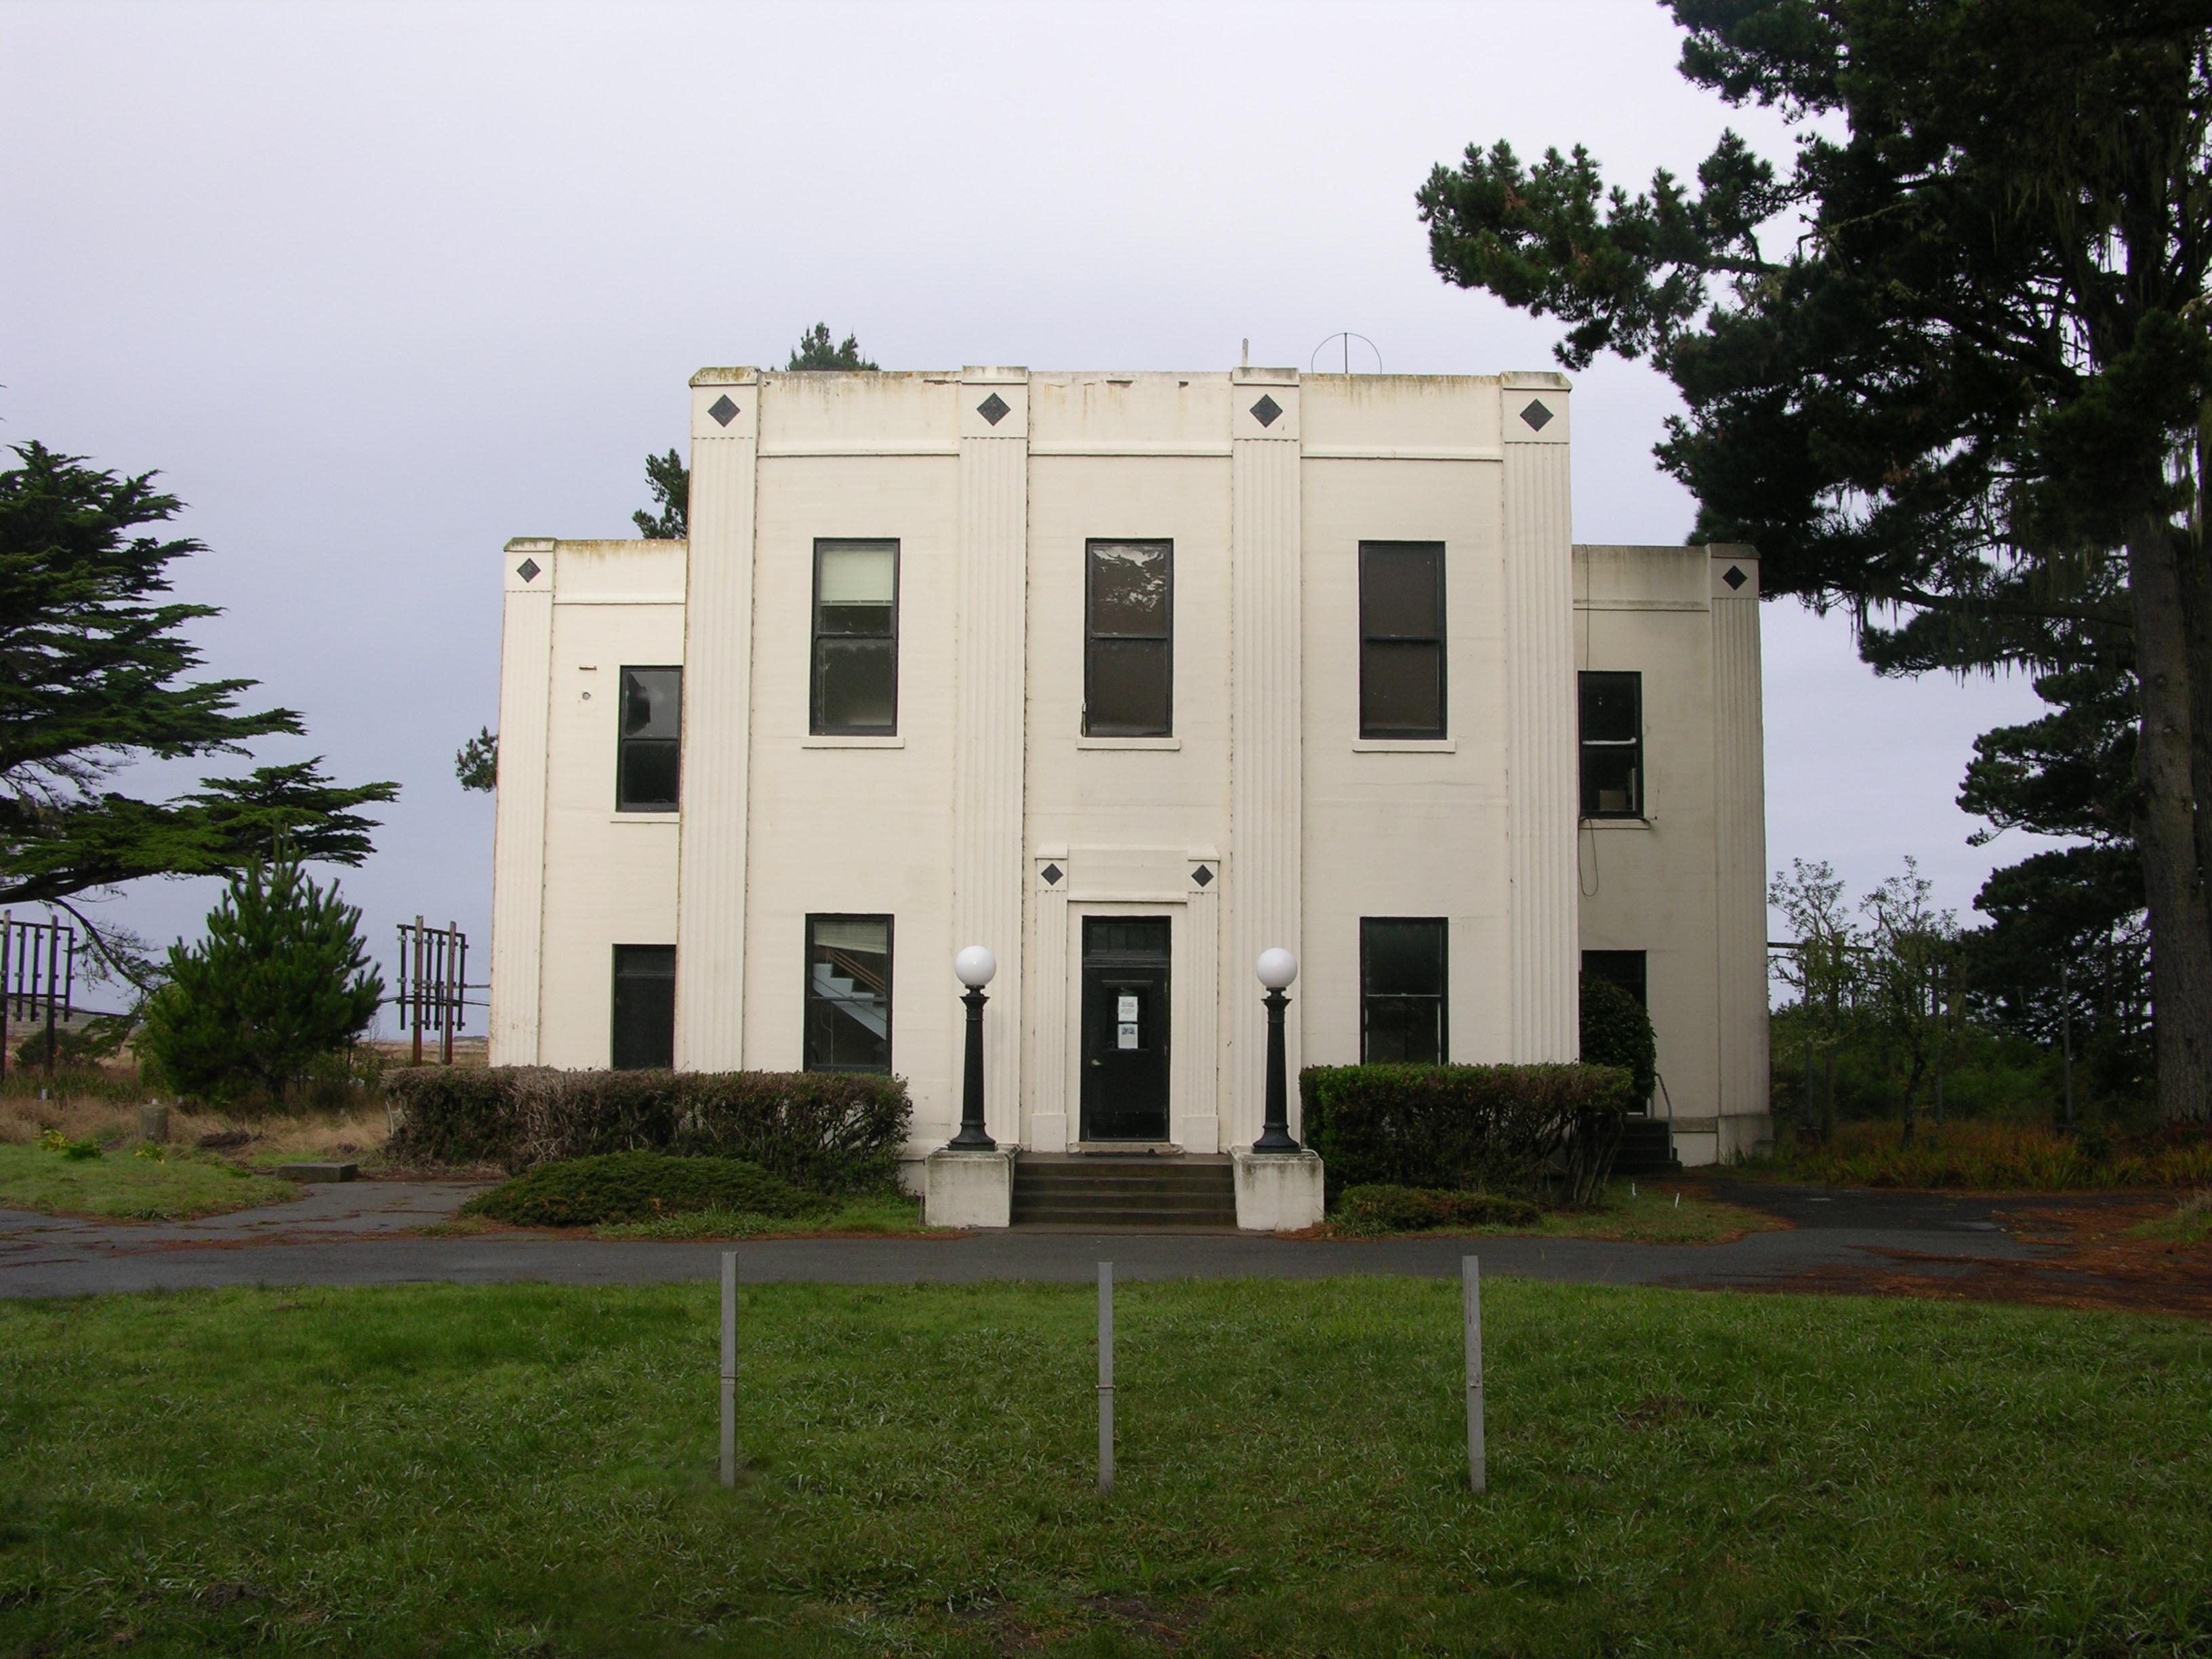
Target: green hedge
column 828, row 1132
column 636, row 1187
column 1419, row 1209
column 1516, row 1129
column 1617, row 1031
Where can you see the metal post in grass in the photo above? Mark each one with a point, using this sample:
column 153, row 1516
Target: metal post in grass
column 729, row 1368
column 1105, row 1377
column 1477, row 1460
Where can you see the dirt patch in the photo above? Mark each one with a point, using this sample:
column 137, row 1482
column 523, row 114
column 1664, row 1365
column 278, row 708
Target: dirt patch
column 2095, row 1262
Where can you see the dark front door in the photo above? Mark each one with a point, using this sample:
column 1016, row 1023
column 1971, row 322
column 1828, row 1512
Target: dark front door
column 1125, row 1028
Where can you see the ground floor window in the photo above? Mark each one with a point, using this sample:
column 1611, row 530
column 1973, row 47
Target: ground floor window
column 645, row 1007
column 1621, row 967
column 1402, row 991
column 848, row 994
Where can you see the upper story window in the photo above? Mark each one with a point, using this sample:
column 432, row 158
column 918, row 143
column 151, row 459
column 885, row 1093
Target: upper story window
column 1611, row 745
column 1128, row 661
column 848, row 994
column 651, row 745
column 1402, row 639
column 1403, row 969
column 855, row 668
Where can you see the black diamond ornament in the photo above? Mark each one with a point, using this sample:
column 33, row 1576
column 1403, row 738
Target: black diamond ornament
column 1537, row 415
column 1202, row 875
column 1267, row 411
column 995, row 409
column 723, row 410
column 1734, row 577
column 1052, row 873
column 527, row 570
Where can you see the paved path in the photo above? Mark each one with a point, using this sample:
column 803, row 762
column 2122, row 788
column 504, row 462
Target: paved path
column 359, row 1234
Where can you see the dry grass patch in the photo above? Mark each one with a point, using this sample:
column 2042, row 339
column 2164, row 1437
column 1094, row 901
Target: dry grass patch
column 258, row 1141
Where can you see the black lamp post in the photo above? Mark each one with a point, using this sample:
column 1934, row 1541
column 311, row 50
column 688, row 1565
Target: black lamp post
column 1277, row 969
column 974, row 967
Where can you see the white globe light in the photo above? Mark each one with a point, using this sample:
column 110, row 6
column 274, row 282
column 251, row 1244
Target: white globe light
column 974, row 966
column 1277, row 968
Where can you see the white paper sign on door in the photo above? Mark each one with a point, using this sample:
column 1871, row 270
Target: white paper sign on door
column 1128, row 1010
column 1129, row 1035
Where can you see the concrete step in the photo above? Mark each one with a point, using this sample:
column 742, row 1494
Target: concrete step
column 1647, row 1148
column 1102, row 1190
column 1120, row 1220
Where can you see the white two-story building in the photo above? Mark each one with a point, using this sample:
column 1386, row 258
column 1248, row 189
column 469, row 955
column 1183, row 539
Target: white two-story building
column 1128, row 678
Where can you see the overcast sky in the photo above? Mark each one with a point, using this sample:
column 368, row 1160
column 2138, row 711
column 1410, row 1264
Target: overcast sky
column 376, row 287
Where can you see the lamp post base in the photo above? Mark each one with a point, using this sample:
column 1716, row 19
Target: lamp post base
column 962, row 1188
column 1278, row 1192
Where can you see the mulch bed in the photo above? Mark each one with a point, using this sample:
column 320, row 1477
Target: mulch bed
column 2093, row 1263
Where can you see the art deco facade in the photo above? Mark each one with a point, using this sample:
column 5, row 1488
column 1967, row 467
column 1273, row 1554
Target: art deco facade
column 1129, row 676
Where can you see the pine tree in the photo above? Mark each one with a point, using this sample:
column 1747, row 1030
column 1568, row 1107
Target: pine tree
column 282, row 979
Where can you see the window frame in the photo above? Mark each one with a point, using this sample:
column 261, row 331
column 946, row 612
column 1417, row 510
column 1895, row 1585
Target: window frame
column 614, row 979
column 1585, row 744
column 816, row 725
column 1091, row 636
column 806, row 1062
column 623, row 739
column 1443, row 925
column 1440, row 642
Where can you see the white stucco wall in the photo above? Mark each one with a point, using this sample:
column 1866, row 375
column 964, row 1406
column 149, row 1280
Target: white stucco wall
column 1263, row 819
column 1661, row 884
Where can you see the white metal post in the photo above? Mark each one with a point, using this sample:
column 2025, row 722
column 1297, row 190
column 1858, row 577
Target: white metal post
column 729, row 1368
column 1477, row 1460
column 1105, row 1377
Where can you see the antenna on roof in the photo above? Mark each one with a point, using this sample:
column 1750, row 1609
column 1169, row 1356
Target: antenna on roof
column 1348, row 338
column 1247, row 363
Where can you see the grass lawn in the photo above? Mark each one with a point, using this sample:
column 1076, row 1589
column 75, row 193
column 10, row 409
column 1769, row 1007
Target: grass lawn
column 1640, row 1212
column 2190, row 1223
column 448, row 1470
column 125, row 1187
column 877, row 1212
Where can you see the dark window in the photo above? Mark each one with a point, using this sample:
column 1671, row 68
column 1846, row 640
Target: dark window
column 1402, row 991
column 848, row 994
column 652, row 739
column 856, row 638
column 1128, row 665
column 645, row 1007
column 1613, row 745
column 1621, row 967
column 1402, row 639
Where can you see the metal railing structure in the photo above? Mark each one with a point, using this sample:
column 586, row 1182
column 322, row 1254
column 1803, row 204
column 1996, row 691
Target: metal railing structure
column 434, row 988
column 38, row 980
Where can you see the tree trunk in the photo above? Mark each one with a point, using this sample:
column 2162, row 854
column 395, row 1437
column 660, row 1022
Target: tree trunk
column 1912, row 1081
column 2168, row 828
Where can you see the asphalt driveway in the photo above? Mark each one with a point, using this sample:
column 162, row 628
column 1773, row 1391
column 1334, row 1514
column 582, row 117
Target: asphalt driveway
column 364, row 1233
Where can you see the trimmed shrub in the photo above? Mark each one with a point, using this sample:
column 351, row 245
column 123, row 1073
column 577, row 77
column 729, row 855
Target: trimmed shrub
column 635, row 1186
column 1500, row 1128
column 1419, row 1209
column 1617, row 1031
column 452, row 1115
column 828, row 1132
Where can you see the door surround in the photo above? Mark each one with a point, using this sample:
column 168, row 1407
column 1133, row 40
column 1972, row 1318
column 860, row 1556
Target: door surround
column 1069, row 884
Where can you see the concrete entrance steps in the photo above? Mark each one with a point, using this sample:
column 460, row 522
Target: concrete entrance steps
column 1160, row 1192
column 1647, row 1148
